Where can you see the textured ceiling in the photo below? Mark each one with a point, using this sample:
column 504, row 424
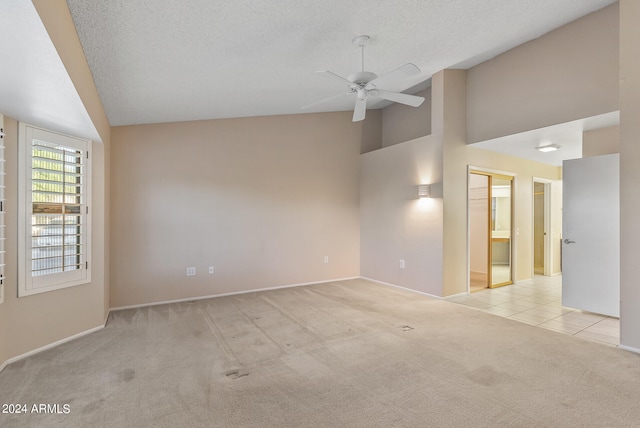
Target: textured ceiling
column 175, row 60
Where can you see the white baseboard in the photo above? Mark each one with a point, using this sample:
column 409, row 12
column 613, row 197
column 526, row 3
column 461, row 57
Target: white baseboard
column 629, row 348
column 49, row 346
column 233, row 293
column 403, row 288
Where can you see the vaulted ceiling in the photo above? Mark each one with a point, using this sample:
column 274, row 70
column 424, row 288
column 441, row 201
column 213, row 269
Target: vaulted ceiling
column 175, row 60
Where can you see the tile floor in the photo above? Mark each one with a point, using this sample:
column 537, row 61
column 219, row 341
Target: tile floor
column 539, row 302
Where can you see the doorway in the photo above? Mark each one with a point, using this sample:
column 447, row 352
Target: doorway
column 490, row 206
column 539, row 228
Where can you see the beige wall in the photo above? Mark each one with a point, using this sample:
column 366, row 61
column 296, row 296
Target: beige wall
column 402, row 123
column 32, row 322
column 395, row 225
column 570, row 73
column 601, row 141
column 261, row 199
column 371, row 131
column 629, row 174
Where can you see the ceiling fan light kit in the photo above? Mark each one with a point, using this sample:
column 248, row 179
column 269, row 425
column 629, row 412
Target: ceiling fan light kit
column 365, row 84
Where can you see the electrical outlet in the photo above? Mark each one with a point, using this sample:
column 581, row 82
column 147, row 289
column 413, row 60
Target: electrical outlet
column 191, row 271
column 326, row 259
column 211, row 270
column 401, row 264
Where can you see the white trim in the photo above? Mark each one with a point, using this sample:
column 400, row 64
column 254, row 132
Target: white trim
column 629, row 348
column 27, row 284
column 50, row 345
column 232, row 293
column 403, row 288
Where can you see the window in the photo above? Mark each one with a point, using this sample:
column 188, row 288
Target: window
column 53, row 223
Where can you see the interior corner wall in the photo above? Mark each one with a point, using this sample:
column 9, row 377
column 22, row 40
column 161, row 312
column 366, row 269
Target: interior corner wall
column 567, row 74
column 394, row 224
column 371, row 131
column 603, row 141
column 402, row 123
column 262, row 200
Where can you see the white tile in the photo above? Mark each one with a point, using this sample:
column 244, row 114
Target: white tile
column 558, row 310
column 476, row 304
column 561, row 326
column 575, row 319
column 528, row 318
column 588, row 316
column 514, row 306
column 526, row 303
column 493, row 300
column 540, row 311
column 503, row 312
column 604, row 328
column 599, row 337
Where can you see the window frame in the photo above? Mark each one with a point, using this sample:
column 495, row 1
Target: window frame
column 29, row 284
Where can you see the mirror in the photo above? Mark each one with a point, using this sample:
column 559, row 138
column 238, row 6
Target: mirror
column 501, row 189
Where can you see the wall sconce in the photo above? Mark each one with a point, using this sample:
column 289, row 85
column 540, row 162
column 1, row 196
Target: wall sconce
column 424, row 191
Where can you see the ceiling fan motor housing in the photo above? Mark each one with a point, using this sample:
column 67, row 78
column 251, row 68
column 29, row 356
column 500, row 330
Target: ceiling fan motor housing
column 361, row 78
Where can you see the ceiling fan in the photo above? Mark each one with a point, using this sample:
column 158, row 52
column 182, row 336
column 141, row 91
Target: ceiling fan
column 365, row 84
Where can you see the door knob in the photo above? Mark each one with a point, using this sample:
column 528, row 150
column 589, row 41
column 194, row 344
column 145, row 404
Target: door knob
column 569, row 241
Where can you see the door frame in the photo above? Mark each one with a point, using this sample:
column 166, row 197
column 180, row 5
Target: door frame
column 547, row 225
column 514, row 230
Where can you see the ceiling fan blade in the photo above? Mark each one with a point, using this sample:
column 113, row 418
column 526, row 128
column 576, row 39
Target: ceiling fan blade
column 334, row 76
column 398, row 97
column 399, row 74
column 360, row 110
column 325, row 100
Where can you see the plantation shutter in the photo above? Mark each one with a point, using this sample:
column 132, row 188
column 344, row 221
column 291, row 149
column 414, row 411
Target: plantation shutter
column 57, row 227
column 56, row 194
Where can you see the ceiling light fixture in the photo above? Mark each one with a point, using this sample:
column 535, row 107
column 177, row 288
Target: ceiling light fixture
column 548, row 148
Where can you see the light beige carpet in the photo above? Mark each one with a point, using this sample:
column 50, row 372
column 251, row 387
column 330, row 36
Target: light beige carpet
column 348, row 354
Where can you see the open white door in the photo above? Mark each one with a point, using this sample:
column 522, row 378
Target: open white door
column 591, row 234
